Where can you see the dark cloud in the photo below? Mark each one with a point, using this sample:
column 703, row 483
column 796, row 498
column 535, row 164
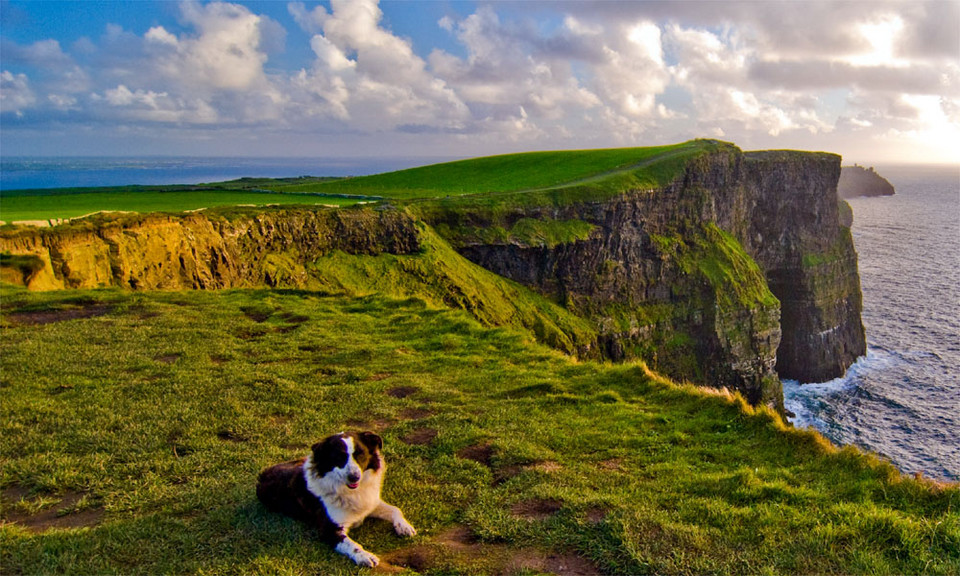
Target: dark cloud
column 934, row 33
column 823, row 74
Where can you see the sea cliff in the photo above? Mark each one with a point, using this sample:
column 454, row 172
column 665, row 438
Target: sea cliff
column 728, row 269
column 736, row 271
column 858, row 181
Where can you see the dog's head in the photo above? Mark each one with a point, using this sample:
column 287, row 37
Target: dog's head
column 344, row 457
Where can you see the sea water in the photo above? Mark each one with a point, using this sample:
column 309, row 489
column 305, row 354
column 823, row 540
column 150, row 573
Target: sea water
column 902, row 400
column 18, row 173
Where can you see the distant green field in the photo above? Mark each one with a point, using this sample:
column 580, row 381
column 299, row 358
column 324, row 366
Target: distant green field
column 526, row 177
column 512, row 172
column 14, row 208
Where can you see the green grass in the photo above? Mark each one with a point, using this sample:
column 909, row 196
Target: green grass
column 158, row 409
column 15, row 208
column 541, row 178
column 525, row 172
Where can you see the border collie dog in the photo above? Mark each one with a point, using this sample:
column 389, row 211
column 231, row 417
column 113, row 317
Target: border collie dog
column 333, row 489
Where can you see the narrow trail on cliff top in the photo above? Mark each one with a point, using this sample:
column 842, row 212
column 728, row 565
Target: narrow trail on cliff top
column 598, row 177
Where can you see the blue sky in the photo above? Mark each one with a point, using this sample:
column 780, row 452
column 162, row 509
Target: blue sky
column 874, row 81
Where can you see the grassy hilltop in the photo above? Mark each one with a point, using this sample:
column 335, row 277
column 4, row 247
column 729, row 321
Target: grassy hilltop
column 572, row 171
column 607, row 169
column 133, row 423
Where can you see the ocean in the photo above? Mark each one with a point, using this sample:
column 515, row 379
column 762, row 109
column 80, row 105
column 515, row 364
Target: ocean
column 901, row 401
column 18, row 173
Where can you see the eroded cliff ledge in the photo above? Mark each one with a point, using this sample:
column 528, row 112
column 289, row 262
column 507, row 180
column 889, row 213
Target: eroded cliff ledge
column 729, row 269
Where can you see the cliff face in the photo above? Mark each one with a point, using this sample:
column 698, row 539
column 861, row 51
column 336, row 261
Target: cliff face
column 689, row 276
column 799, row 236
column 196, row 251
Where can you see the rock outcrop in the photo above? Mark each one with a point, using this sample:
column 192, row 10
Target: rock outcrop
column 859, row 181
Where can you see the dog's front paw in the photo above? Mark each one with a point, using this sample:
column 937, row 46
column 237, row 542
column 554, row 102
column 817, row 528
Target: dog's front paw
column 355, row 552
column 364, row 558
column 404, row 528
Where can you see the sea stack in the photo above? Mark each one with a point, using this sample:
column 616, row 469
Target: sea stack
column 858, row 181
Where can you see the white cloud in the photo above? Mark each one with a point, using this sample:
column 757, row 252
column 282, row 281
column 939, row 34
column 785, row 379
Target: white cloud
column 224, row 54
column 15, row 93
column 160, row 35
column 150, row 106
column 366, row 74
column 589, row 74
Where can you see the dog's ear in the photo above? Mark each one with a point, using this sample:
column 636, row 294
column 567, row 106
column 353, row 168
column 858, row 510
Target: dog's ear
column 372, row 440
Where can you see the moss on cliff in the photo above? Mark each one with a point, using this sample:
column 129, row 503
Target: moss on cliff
column 721, row 262
column 441, row 277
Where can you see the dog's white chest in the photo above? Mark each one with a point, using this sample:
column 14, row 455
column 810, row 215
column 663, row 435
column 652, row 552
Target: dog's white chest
column 344, row 506
column 348, row 507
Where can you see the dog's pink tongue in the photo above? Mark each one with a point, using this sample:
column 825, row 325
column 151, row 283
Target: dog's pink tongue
column 353, row 486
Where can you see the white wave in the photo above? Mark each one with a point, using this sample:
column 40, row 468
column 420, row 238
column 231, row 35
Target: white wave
column 809, row 400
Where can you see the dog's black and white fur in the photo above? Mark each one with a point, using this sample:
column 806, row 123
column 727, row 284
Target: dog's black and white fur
column 333, row 489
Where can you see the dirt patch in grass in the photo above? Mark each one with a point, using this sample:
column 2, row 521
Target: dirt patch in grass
column 286, row 329
column 536, row 508
column 561, row 564
column 547, row 466
column 482, row 453
column 420, row 436
column 232, row 436
column 40, row 317
column 28, row 512
column 612, row 465
column 294, row 318
column 252, row 333
column 456, row 550
column 316, row 348
column 596, row 515
column 415, row 413
column 402, row 391
column 455, row 544
column 256, row 314
column 167, row 358
column 379, row 376
column 504, row 473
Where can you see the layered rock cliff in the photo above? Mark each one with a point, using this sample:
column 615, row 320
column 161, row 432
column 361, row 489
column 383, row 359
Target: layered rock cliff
column 197, row 251
column 736, row 271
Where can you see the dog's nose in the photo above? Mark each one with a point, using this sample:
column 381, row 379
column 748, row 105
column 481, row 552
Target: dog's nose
column 353, row 478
